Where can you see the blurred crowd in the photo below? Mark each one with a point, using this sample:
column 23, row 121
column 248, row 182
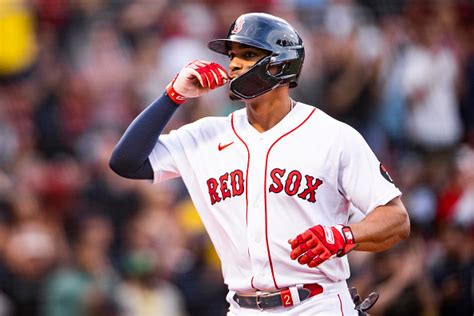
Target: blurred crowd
column 76, row 239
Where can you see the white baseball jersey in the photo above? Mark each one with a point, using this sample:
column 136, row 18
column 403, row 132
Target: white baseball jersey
column 254, row 191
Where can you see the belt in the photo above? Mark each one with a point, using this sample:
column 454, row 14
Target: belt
column 286, row 297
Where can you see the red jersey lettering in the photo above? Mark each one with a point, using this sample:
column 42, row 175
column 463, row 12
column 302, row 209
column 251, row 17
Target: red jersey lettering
column 276, row 175
column 223, row 183
column 310, row 189
column 212, row 186
column 293, row 182
column 237, row 181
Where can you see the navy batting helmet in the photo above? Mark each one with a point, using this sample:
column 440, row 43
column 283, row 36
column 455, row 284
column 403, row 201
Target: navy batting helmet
column 274, row 35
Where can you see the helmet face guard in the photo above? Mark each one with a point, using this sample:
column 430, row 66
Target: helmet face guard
column 254, row 82
column 259, row 79
column 270, row 33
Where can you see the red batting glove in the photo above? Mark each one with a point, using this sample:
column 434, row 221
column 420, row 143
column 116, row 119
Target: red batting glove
column 320, row 243
column 197, row 78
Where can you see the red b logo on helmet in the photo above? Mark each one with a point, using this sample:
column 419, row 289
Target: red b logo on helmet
column 237, row 26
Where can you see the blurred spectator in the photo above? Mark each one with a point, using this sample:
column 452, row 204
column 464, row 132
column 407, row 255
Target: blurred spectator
column 140, row 19
column 351, row 67
column 103, row 193
column 8, row 139
column 456, row 200
column 30, row 251
column 392, row 108
column 18, row 51
column 429, row 85
column 88, row 285
column 144, row 293
column 420, row 196
column 400, row 277
column 199, row 274
column 155, row 227
column 103, row 60
column 465, row 34
column 62, row 115
column 146, row 289
column 453, row 270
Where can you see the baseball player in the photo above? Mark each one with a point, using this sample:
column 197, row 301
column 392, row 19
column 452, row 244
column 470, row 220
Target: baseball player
column 273, row 182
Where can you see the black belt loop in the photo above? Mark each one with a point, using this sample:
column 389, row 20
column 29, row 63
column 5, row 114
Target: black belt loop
column 257, row 301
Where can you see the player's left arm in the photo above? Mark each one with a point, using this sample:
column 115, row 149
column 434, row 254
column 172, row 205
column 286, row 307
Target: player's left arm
column 382, row 228
column 385, row 226
column 364, row 181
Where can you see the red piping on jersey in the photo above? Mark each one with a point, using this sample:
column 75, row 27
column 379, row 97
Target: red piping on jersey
column 246, row 180
column 246, row 172
column 340, row 304
column 265, row 193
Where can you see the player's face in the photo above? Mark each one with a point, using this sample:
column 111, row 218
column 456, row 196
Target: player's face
column 242, row 58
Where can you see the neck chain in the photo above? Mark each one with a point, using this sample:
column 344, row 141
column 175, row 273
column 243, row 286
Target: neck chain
column 292, row 104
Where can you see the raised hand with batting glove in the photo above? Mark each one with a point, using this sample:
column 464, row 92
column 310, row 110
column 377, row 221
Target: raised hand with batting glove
column 321, row 243
column 194, row 80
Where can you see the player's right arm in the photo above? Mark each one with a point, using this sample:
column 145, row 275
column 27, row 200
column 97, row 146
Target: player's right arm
column 130, row 156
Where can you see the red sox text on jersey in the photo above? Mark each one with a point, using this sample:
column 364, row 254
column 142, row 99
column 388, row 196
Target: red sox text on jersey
column 231, row 184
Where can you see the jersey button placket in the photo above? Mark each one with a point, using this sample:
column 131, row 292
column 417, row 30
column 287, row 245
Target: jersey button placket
column 256, row 209
column 258, row 230
column 258, row 238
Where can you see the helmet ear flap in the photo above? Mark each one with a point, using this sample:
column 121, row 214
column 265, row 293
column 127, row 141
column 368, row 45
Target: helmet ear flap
column 276, row 70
